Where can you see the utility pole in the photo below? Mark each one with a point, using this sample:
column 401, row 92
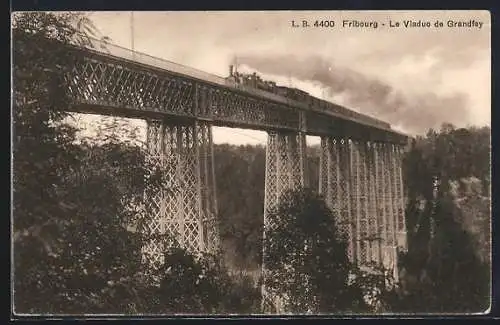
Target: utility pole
column 132, row 33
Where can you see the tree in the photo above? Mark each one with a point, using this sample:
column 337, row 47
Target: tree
column 197, row 284
column 78, row 204
column 448, row 276
column 446, row 268
column 41, row 148
column 240, row 195
column 72, row 250
column 307, row 260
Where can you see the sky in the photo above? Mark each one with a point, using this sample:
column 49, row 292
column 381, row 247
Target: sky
column 414, row 78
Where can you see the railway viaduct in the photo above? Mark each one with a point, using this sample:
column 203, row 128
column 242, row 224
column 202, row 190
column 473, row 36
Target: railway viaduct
column 360, row 165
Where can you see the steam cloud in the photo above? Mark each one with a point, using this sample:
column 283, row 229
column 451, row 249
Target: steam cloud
column 415, row 114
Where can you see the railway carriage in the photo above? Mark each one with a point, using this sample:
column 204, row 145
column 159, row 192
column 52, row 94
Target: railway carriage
column 255, row 81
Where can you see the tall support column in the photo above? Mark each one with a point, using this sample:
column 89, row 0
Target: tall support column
column 285, row 169
column 401, row 226
column 390, row 251
column 329, row 183
column 285, row 166
column 364, row 211
column 356, row 208
column 323, row 167
column 345, row 196
column 208, row 189
column 396, row 204
column 381, row 199
column 373, row 220
column 181, row 203
column 334, row 184
column 154, row 203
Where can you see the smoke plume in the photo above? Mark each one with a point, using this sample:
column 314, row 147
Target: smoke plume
column 414, row 114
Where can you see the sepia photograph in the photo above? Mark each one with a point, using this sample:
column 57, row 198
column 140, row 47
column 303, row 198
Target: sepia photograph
column 222, row 163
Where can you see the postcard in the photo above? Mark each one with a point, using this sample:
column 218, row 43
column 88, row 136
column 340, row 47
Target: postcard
column 218, row 163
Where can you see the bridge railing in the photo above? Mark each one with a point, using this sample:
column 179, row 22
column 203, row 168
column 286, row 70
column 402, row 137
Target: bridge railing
column 143, row 58
column 139, row 57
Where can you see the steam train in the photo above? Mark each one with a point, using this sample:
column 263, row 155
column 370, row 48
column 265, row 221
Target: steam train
column 256, row 82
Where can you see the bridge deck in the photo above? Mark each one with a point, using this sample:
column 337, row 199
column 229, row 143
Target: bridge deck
column 324, row 118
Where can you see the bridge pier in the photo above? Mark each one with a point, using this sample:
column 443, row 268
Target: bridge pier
column 362, row 183
column 285, row 166
column 380, row 191
column 356, row 190
column 182, row 203
column 375, row 240
column 334, row 181
column 285, row 169
column 389, row 259
column 401, row 228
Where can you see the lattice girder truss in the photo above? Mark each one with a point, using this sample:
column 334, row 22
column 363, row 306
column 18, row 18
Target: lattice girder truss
column 285, row 170
column 285, row 166
column 106, row 82
column 180, row 201
column 362, row 183
column 334, row 181
column 400, row 202
column 387, row 197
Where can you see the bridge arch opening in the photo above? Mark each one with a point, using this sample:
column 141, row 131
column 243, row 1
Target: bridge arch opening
column 313, row 154
column 240, row 172
column 239, row 161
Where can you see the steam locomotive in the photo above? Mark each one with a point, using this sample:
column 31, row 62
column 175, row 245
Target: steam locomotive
column 255, row 81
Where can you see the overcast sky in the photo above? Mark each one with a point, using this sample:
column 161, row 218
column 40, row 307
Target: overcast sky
column 413, row 78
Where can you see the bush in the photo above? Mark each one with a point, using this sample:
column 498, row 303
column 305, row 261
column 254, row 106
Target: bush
column 306, row 258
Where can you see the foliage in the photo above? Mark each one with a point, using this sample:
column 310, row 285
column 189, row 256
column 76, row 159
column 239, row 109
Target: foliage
column 240, row 193
column 52, row 252
column 242, row 185
column 77, row 204
column 446, row 268
column 447, row 276
column 77, row 208
column 243, row 297
column 41, row 150
column 451, row 154
column 306, row 258
column 376, row 286
column 201, row 285
column 88, row 251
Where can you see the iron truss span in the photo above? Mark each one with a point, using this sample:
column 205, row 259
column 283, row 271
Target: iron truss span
column 116, row 80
